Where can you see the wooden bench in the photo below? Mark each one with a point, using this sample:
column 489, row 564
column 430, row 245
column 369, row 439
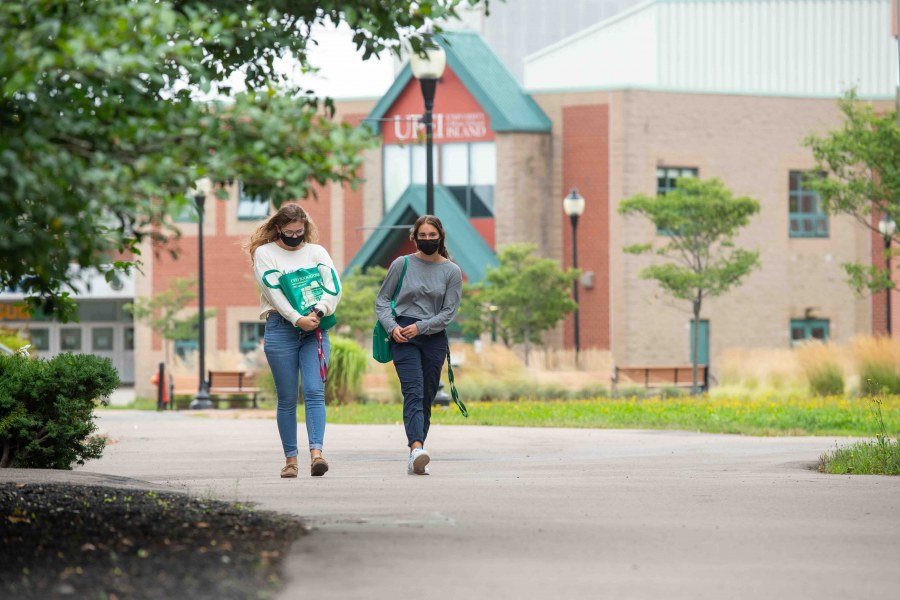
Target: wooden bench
column 651, row 376
column 221, row 383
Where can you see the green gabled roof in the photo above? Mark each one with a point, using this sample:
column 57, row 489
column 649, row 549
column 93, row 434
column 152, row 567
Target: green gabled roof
column 487, row 79
column 467, row 248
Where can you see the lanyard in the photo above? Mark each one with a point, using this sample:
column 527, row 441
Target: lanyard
column 323, row 367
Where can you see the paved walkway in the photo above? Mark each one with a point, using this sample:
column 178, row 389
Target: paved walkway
column 540, row 513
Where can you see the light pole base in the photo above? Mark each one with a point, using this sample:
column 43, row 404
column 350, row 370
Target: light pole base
column 202, row 401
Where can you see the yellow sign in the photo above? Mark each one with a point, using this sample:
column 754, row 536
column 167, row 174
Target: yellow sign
column 14, row 312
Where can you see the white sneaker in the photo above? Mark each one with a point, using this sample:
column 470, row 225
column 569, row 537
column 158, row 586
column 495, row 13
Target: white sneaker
column 418, row 459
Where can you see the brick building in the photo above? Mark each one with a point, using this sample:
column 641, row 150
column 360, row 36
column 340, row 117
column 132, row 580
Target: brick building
column 671, row 88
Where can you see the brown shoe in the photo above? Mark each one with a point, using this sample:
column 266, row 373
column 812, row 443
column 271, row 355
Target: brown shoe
column 318, row 467
column 290, row 470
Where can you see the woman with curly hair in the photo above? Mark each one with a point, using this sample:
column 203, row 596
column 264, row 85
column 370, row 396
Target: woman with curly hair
column 295, row 350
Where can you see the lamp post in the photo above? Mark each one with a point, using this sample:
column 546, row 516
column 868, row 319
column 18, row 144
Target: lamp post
column 201, row 400
column 887, row 227
column 428, row 67
column 573, row 206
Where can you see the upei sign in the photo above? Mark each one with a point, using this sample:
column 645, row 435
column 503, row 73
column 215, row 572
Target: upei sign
column 447, row 127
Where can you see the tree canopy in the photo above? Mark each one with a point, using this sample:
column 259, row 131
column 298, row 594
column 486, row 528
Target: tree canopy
column 520, row 298
column 110, row 110
column 699, row 220
column 862, row 164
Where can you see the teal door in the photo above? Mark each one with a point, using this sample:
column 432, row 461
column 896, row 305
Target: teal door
column 703, row 354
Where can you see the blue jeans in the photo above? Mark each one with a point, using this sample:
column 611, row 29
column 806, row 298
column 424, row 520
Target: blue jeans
column 293, row 356
column 419, row 363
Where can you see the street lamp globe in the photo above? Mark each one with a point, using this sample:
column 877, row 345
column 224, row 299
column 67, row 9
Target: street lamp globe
column 573, row 204
column 432, row 64
column 887, row 227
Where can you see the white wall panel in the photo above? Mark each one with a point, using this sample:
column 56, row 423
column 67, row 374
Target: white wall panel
column 620, row 51
column 779, row 47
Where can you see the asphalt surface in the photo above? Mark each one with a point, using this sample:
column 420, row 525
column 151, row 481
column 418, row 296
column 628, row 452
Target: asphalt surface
column 535, row 513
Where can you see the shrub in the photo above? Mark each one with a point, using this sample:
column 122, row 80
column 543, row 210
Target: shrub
column 46, row 409
column 826, row 380
column 878, row 363
column 345, row 370
column 878, row 378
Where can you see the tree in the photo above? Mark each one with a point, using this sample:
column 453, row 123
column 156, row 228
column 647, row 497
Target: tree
column 700, row 220
column 356, row 312
column 161, row 311
column 862, row 160
column 106, row 119
column 530, row 296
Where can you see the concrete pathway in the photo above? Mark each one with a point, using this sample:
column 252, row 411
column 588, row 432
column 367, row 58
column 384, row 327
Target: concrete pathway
column 540, row 513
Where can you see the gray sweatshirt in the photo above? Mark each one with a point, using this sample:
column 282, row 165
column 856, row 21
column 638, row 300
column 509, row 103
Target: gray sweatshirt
column 431, row 291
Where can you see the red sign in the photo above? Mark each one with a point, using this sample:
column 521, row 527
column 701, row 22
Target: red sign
column 457, row 116
column 447, row 127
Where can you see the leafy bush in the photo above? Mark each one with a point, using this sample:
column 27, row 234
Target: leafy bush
column 826, row 380
column 46, row 409
column 877, row 377
column 346, row 368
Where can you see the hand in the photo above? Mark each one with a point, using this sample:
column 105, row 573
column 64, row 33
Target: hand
column 410, row 331
column 308, row 322
column 397, row 334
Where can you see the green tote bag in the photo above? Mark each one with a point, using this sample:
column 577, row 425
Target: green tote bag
column 304, row 288
column 381, row 340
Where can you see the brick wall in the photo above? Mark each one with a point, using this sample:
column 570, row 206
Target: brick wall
column 586, row 167
column 523, row 200
column 751, row 143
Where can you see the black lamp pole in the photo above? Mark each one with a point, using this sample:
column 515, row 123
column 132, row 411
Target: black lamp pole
column 428, row 88
column 573, row 206
column 201, row 400
column 887, row 291
column 574, row 221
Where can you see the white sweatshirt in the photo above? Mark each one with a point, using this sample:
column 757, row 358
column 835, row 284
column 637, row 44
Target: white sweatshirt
column 272, row 256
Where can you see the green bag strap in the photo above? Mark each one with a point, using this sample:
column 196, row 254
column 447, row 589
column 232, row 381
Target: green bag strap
column 453, row 393
column 265, row 281
column 334, row 278
column 399, row 283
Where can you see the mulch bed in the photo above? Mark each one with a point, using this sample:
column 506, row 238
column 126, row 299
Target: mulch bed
column 74, row 541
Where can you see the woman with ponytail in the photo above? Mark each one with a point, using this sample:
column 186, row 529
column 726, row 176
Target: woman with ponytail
column 286, row 242
column 427, row 301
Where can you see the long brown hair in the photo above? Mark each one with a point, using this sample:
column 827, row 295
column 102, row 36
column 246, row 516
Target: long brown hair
column 436, row 223
column 270, row 230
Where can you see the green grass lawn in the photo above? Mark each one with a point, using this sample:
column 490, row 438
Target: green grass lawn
column 764, row 415
column 792, row 416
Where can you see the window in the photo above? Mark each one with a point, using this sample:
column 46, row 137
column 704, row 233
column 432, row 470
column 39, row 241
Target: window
column 98, row 310
column 467, row 170
column 807, row 219
column 251, row 335
column 40, row 338
column 129, row 338
column 101, row 338
column 396, row 174
column 70, row 339
column 666, row 178
column 251, row 208
column 666, row 181
column 809, row 329
column 185, row 347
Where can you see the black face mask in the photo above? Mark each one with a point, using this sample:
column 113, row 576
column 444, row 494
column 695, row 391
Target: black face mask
column 428, row 247
column 292, row 242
